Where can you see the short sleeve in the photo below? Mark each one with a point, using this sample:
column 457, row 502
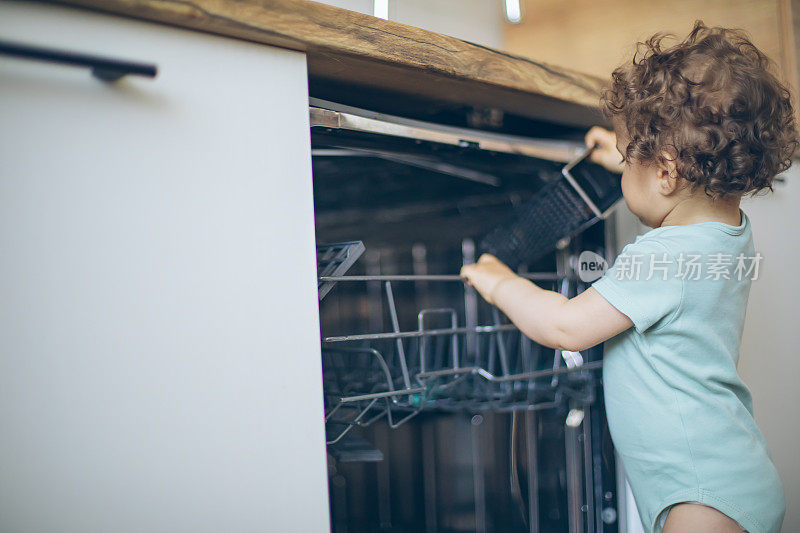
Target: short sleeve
column 643, row 284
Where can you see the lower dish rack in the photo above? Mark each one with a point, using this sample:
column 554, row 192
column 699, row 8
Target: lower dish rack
column 446, row 363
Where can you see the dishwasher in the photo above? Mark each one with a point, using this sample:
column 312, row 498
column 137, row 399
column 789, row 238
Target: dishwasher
column 440, row 415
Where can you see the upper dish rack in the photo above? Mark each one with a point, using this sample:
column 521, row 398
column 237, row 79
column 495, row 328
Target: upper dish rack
column 443, row 365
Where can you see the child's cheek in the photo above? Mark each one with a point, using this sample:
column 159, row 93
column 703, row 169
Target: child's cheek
column 625, row 186
column 629, row 192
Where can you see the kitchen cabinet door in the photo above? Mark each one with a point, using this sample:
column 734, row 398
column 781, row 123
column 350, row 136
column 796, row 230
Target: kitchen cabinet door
column 159, row 335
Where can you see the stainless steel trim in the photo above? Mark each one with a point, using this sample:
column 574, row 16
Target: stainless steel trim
column 327, row 114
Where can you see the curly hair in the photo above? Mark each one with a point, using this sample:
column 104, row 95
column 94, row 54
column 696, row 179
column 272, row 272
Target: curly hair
column 710, row 104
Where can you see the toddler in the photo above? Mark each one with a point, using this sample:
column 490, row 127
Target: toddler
column 696, row 126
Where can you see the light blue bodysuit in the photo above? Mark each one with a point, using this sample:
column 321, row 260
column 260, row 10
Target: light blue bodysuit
column 680, row 417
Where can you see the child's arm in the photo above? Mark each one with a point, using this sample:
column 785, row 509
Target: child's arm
column 547, row 317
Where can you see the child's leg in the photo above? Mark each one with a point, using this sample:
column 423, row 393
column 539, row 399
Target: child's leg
column 697, row 518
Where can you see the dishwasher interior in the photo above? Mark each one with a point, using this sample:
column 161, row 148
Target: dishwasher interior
column 440, row 415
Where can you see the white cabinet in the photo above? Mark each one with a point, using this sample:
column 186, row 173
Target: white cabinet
column 159, row 337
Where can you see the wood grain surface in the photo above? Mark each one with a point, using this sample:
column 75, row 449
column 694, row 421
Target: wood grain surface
column 360, row 50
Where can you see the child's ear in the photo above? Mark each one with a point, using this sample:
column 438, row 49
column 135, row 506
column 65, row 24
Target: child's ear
column 667, row 174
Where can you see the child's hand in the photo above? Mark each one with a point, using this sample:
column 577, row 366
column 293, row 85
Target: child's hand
column 606, row 153
column 486, row 275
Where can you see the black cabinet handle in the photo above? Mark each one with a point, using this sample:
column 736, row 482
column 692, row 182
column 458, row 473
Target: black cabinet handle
column 104, row 68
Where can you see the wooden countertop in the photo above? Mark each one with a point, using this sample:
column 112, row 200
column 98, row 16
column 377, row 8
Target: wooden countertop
column 363, row 51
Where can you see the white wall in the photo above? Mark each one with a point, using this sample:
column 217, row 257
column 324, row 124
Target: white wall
column 159, row 337
column 478, row 21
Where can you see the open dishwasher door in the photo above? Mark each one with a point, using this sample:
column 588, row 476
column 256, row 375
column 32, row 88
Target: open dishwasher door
column 440, row 414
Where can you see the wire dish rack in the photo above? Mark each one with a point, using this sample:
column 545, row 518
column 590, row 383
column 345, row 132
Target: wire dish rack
column 444, row 365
